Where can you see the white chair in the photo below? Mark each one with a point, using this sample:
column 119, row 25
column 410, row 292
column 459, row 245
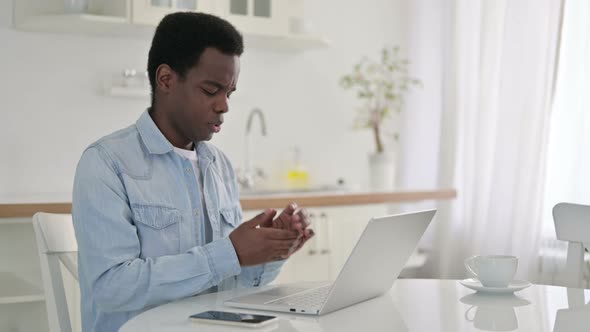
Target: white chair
column 577, row 316
column 56, row 243
column 572, row 224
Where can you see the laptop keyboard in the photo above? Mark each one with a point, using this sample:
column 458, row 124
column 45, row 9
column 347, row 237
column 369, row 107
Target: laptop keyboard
column 282, row 291
column 312, row 299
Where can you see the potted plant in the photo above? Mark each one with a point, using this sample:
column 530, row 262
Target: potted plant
column 382, row 86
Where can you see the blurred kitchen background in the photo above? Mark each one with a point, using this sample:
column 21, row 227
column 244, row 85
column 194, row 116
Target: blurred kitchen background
column 62, row 98
column 495, row 133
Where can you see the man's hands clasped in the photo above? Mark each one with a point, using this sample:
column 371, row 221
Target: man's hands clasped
column 265, row 238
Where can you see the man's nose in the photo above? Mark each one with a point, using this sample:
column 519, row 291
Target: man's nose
column 222, row 105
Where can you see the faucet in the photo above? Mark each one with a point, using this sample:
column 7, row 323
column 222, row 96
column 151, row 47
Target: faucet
column 256, row 111
column 249, row 175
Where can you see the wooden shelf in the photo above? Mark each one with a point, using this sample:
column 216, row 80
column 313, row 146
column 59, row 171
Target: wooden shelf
column 16, row 290
column 29, row 209
column 255, row 202
column 347, row 198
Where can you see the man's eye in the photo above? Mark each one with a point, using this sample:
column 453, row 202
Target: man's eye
column 209, row 92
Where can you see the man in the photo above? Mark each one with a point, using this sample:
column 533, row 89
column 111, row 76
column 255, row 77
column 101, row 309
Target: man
column 155, row 207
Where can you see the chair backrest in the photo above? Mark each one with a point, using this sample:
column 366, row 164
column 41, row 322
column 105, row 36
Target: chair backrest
column 56, row 242
column 572, row 224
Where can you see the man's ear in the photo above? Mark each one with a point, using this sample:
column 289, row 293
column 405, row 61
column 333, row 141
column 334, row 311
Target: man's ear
column 165, row 78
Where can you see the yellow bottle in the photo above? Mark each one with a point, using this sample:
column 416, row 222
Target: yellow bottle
column 297, row 175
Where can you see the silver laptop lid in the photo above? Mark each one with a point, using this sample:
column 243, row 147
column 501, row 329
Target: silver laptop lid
column 377, row 259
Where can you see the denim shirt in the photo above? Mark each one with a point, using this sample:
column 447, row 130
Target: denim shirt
column 137, row 217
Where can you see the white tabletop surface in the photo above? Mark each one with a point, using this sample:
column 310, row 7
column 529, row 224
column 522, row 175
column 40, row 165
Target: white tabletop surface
column 411, row 305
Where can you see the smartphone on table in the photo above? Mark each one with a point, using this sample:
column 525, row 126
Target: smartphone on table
column 233, row 319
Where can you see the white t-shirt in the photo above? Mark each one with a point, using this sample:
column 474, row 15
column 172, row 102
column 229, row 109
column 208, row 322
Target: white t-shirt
column 191, row 155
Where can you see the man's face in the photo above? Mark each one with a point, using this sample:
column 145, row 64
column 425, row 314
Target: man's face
column 201, row 98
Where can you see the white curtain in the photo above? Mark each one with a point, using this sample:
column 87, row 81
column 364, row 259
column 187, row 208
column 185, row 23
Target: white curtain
column 568, row 164
column 495, row 124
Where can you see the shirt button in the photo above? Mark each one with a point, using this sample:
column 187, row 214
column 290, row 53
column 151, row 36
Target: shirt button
column 187, row 169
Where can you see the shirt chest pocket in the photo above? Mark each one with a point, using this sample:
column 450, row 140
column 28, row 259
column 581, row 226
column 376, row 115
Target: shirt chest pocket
column 231, row 217
column 158, row 229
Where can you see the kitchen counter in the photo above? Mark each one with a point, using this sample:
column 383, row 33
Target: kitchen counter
column 27, row 206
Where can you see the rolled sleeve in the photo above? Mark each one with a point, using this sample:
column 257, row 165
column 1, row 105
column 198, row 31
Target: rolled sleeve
column 258, row 275
column 222, row 259
column 271, row 271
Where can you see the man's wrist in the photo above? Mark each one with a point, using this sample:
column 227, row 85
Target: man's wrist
column 223, row 260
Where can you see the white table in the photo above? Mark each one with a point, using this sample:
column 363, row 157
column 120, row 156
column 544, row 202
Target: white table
column 425, row 305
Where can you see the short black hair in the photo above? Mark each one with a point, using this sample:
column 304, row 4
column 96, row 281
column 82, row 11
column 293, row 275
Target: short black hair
column 181, row 38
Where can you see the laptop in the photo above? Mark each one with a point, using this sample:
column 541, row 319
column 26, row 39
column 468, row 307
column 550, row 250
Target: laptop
column 371, row 269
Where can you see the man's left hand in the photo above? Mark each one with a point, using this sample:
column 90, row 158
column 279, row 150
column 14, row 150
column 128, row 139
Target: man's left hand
column 293, row 218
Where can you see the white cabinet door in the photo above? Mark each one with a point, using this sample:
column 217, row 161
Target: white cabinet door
column 150, row 12
column 303, row 266
column 258, row 17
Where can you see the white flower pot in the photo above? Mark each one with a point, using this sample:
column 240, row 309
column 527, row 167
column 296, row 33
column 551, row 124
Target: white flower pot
column 381, row 171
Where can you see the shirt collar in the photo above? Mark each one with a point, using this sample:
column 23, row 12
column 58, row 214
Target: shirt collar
column 156, row 142
column 152, row 137
column 204, row 151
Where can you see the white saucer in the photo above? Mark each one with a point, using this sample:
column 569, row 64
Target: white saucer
column 514, row 286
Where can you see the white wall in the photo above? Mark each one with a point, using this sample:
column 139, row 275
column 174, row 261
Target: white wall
column 53, row 105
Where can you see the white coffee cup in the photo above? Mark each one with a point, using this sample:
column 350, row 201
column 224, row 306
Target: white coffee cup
column 493, row 271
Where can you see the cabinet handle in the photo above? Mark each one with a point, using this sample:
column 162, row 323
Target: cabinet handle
column 313, row 243
column 325, row 236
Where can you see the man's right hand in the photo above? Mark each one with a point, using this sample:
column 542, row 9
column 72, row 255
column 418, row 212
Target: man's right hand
column 256, row 245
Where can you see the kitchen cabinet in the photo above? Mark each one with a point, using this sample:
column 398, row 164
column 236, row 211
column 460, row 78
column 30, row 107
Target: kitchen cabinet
column 265, row 24
column 150, row 12
column 259, row 17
